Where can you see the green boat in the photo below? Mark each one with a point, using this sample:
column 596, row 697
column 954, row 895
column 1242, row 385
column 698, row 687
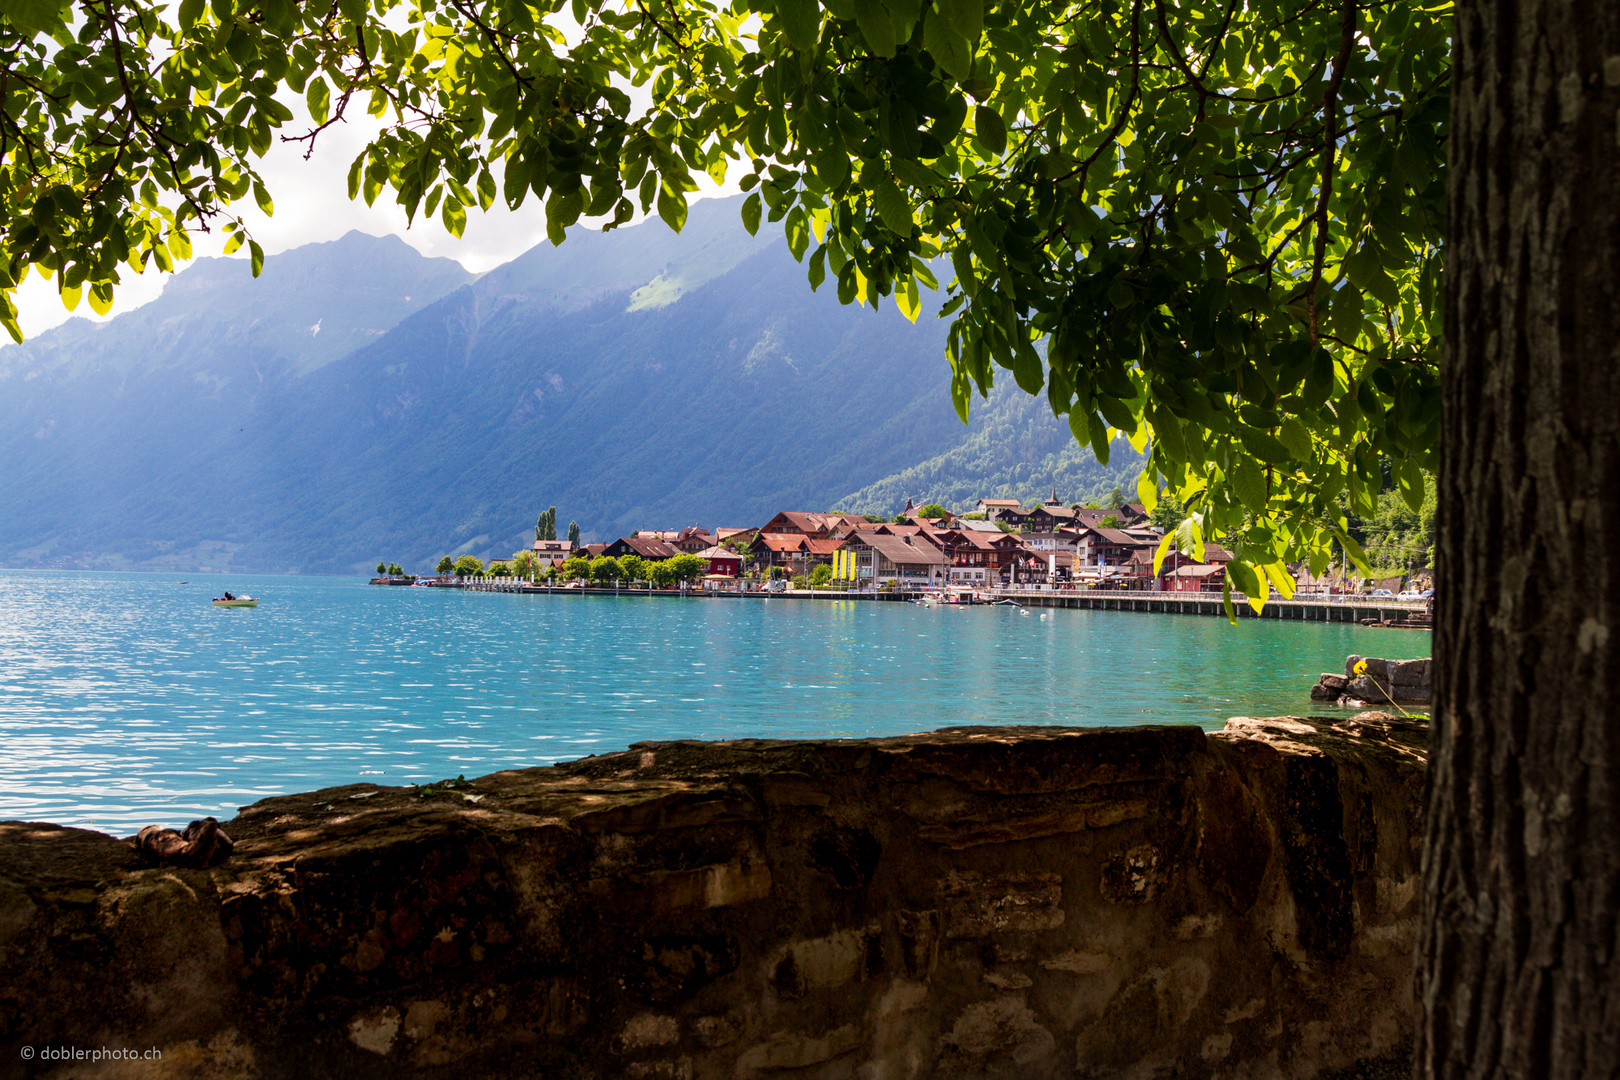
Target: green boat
column 236, row 601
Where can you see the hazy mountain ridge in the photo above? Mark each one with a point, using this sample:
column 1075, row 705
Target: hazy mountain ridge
column 633, row 379
column 1017, row 449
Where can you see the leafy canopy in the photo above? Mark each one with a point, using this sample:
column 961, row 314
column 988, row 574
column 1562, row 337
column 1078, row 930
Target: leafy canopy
column 1212, row 226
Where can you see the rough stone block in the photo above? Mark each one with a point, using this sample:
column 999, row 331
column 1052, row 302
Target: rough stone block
column 978, row 905
column 1333, row 682
column 1409, row 672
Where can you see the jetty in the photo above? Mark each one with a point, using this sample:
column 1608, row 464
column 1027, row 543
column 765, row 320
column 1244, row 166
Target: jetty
column 1341, row 608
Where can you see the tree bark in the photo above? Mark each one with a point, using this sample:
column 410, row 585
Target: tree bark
column 1519, row 962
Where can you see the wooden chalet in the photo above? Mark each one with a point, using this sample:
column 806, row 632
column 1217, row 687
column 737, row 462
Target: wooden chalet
column 993, row 509
column 908, row 560
column 722, row 561
column 649, row 549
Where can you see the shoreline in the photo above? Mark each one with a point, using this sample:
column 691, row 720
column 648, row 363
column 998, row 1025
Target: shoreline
column 1366, row 611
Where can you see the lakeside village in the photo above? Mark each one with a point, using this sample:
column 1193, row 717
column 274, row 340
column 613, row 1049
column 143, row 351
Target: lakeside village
column 1000, row 545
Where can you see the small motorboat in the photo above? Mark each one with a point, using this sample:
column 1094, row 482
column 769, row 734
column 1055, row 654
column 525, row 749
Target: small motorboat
column 235, row 601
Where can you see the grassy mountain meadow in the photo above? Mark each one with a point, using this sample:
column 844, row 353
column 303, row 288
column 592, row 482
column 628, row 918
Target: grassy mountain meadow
column 359, row 401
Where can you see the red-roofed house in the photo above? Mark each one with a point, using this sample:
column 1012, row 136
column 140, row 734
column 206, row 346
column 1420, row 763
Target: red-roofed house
column 721, row 560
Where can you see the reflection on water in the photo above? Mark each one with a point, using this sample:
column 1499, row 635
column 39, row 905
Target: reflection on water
column 127, row 699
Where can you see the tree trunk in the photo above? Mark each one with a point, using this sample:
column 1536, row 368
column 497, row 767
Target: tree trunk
column 1519, row 965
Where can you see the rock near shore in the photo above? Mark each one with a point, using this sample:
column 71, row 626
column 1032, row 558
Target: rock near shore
column 974, row 902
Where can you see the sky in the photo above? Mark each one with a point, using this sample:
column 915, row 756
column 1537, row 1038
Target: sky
column 312, row 205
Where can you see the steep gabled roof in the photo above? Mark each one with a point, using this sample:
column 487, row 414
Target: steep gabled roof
column 779, row 541
column 718, row 552
column 897, row 551
column 647, row 547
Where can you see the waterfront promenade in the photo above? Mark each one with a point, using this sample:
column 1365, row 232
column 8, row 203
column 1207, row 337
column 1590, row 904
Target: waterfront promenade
column 1335, row 608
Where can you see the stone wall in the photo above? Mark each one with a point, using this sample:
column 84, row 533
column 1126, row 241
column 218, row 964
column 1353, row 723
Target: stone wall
column 974, row 903
column 1380, row 683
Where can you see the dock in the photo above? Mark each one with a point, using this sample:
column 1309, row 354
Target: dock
column 1363, row 610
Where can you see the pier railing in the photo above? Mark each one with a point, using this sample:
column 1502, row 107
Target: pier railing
column 1315, row 607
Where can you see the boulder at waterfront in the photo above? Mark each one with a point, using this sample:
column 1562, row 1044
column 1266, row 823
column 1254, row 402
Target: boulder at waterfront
column 1371, row 682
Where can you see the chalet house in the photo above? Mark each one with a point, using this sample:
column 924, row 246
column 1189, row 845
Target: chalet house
column 1194, row 577
column 779, row 549
column 1110, row 547
column 993, row 509
column 972, row 557
column 552, row 549
column 693, row 540
column 721, row 561
column 970, row 524
column 1014, row 559
column 649, row 549
column 1048, row 518
column 1050, row 541
column 881, row 557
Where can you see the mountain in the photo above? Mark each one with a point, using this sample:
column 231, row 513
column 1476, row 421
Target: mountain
column 1014, row 449
column 359, row 401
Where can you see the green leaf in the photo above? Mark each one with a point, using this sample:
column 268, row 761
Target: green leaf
column 1296, row 438
column 262, row 197
column 1249, row 484
column 818, row 267
column 672, row 208
column 750, row 214
column 1249, row 583
column 1161, row 551
column 1409, row 478
column 953, row 52
column 1281, row 579
column 797, row 230
column 966, row 17
column 1147, row 490
column 1263, row 446
column 1363, row 266
column 1352, row 549
column 1167, row 435
column 906, row 297
column 1319, row 381
column 989, row 128
column 453, row 215
column 318, row 96
column 34, row 16
column 876, row 26
column 802, row 21
column 892, row 207
column 256, row 257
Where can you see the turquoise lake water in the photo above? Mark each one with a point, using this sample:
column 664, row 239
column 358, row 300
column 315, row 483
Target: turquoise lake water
column 128, row 700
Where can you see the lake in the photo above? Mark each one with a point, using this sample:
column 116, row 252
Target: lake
column 128, row 700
